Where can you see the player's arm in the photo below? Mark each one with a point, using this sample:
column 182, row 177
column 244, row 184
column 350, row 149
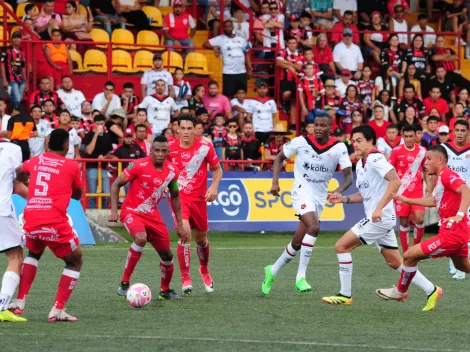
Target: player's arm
column 277, row 167
column 216, row 178
column 335, row 198
column 21, row 174
column 427, row 201
column 464, row 190
column 21, row 189
column 393, row 185
column 176, row 207
column 347, row 182
column 430, row 184
column 122, row 180
column 77, row 193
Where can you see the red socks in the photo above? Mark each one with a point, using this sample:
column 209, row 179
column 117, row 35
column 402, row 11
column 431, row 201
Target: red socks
column 67, row 283
column 133, row 257
column 28, row 273
column 203, row 254
column 418, row 233
column 404, row 231
column 407, row 274
column 184, row 259
column 167, row 269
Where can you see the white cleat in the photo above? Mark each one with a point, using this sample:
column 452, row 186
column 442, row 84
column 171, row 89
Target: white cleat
column 452, row 269
column 459, row 275
column 391, row 294
column 59, row 315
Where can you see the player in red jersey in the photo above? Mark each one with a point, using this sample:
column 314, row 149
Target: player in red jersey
column 149, row 177
column 451, row 196
column 191, row 155
column 408, row 160
column 53, row 181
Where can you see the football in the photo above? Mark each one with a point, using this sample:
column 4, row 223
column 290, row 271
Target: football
column 139, row 295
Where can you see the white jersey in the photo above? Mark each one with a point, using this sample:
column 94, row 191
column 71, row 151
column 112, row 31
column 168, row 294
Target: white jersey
column 384, row 146
column 233, row 53
column 74, row 139
column 459, row 160
column 262, row 110
column 315, row 164
column 159, row 111
column 182, row 91
column 37, row 144
column 234, row 102
column 10, row 159
column 372, row 185
column 73, row 101
column 151, row 77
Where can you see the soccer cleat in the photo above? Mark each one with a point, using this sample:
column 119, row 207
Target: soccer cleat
column 17, row 306
column 391, row 294
column 302, row 285
column 59, row 315
column 187, row 286
column 168, row 294
column 452, row 270
column 459, row 275
column 268, row 280
column 122, row 289
column 338, row 300
column 6, row 315
column 207, row 280
column 433, row 298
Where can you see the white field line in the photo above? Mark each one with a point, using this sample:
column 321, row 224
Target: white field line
column 92, row 248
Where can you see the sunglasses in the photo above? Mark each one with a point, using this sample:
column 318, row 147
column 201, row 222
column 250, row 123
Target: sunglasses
column 273, row 8
column 232, row 126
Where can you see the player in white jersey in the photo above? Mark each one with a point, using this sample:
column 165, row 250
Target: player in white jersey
column 150, row 78
column 160, row 108
column 317, row 158
column 458, row 152
column 377, row 181
column 11, row 235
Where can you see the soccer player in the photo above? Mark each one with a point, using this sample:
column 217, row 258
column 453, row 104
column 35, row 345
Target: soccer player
column 192, row 155
column 149, row 177
column 53, row 181
column 408, row 161
column 451, row 196
column 458, row 153
column 12, row 236
column 376, row 180
column 317, row 158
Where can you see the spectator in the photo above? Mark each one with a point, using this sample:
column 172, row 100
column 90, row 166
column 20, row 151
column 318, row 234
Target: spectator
column 305, row 22
column 338, row 133
column 435, row 101
column 237, row 64
column 432, row 130
column 38, row 144
column 129, row 101
column 418, row 56
column 348, row 55
column 391, row 140
column 128, row 149
column 366, row 88
column 174, row 125
column 384, row 100
column 98, row 146
column 410, row 78
column 4, row 119
column 200, row 132
column 151, row 76
column 86, row 118
column 181, row 88
column 218, row 132
column 49, row 115
column 273, row 24
column 463, row 99
column 131, row 12
column 13, row 69
column 341, row 6
column 310, row 87
column 176, row 26
column 392, row 5
column 20, row 128
column 74, row 139
column 58, row 57
column 343, row 82
column 75, row 25
column 160, row 108
column 213, row 15
column 374, row 38
column 105, row 13
column 114, row 126
column 347, row 22
column 71, row 97
column 322, row 12
column 398, row 24
column 197, row 100
column 409, row 119
column 75, row 124
column 275, row 145
column 141, row 137
column 216, row 103
column 44, row 93
column 296, row 7
column 300, row 34
column 262, row 112
column 203, row 116
column 458, row 113
column 443, row 135
column 107, row 101
column 240, row 106
column 29, row 24
column 423, row 28
column 47, row 20
column 241, row 27
column 232, row 146
column 251, row 147
column 141, row 119
column 445, row 83
column 410, row 99
column 366, row 8
column 457, row 22
column 378, row 124
column 393, row 56
column 31, row 11
column 324, row 56
column 349, row 105
column 331, row 100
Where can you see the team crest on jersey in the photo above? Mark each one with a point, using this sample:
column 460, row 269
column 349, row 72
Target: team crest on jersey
column 129, row 220
column 303, row 206
column 185, row 155
column 157, row 182
column 410, row 158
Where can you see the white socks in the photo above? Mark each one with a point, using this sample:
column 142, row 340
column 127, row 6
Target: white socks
column 285, row 258
column 10, row 282
column 420, row 280
column 345, row 273
column 305, row 252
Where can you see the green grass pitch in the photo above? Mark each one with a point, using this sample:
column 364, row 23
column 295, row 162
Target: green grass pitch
column 236, row 317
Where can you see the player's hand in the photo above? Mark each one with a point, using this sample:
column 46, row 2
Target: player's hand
column 99, row 129
column 211, row 194
column 113, row 217
column 453, row 220
column 377, row 215
column 334, row 198
column 275, row 189
column 400, row 198
column 182, row 234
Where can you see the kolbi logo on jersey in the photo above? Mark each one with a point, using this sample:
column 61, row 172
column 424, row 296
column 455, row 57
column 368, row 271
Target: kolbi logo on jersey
column 363, row 184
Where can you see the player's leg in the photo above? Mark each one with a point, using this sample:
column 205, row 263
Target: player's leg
column 203, row 252
column 461, row 263
column 404, row 232
column 183, row 251
column 418, row 217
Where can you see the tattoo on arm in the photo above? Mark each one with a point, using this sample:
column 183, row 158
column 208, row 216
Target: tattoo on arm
column 391, row 176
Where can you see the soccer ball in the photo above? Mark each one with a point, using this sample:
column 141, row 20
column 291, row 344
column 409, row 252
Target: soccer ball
column 139, row 295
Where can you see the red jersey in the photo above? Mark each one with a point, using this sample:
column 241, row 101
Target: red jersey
column 380, row 131
column 147, row 186
column 447, row 199
column 192, row 165
column 409, row 165
column 441, row 105
column 52, row 179
column 312, row 86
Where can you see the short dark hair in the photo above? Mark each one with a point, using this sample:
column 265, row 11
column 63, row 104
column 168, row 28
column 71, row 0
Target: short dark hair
column 65, row 111
column 188, row 117
column 248, row 123
column 409, row 86
column 185, row 108
column 433, row 118
column 58, row 139
column 179, row 69
column 141, row 125
column 48, row 101
column 96, row 110
column 99, row 118
column 110, row 83
column 379, row 107
column 141, row 109
column 347, row 12
column 422, row 16
column 436, row 87
column 439, row 149
column 409, row 128
column 160, row 139
column 196, row 88
column 392, row 127
column 212, row 83
column 67, row 76
column 233, row 120
column 418, row 128
column 199, row 122
column 325, row 116
column 29, row 7
column 161, row 80
column 462, row 123
column 34, row 107
column 128, row 85
column 367, row 131
column 56, row 31
column 398, row 7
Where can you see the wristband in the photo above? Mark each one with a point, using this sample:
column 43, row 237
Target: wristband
column 461, row 213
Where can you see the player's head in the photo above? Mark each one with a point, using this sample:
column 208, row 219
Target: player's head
column 436, row 159
column 461, row 132
column 186, row 128
column 65, row 117
column 409, row 136
column 392, row 132
column 364, row 139
column 59, row 141
column 322, row 127
column 159, row 150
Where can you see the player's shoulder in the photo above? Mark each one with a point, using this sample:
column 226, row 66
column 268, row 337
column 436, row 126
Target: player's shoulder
column 202, row 142
column 376, row 157
column 140, row 163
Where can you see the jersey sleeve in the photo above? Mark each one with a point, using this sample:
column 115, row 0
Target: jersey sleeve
column 344, row 161
column 27, row 167
column 379, row 164
column 393, row 158
column 216, row 41
column 144, row 104
column 143, row 80
column 290, row 148
column 76, row 174
column 451, row 180
column 211, row 157
column 3, row 57
column 131, row 171
column 16, row 157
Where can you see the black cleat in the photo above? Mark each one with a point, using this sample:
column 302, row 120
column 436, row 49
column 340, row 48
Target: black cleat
column 168, row 294
column 122, row 289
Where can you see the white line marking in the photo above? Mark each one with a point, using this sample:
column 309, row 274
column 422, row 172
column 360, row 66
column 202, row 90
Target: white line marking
column 211, row 339
column 212, row 248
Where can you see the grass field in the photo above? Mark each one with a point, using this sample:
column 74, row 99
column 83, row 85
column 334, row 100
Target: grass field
column 236, row 317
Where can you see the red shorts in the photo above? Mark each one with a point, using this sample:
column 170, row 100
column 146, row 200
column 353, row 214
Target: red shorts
column 61, row 239
column 406, row 210
column 448, row 242
column 156, row 230
column 196, row 213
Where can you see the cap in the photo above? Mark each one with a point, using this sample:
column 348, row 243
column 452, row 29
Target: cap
column 348, row 32
column 17, row 34
column 444, row 130
column 157, row 57
column 279, row 129
column 177, row 3
column 261, row 82
column 294, row 18
column 375, row 13
column 346, row 72
column 338, row 132
column 330, row 83
column 201, row 111
column 119, row 113
column 128, row 132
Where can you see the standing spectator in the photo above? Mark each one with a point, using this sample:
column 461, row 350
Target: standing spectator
column 182, row 89
column 398, row 24
column 273, row 34
column 366, row 88
column 410, row 99
column 393, row 56
column 423, row 28
column 432, row 129
column 262, row 112
column 232, row 146
column 197, row 100
column 131, row 12
column 300, row 34
column 241, row 27
column 47, row 20
column 435, row 101
column 213, row 16
column 240, row 106
column 58, row 57
column 129, row 101
column 107, row 101
column 310, row 88
column 71, row 97
column 74, row 139
column 341, row 6
column 86, row 118
column 323, row 56
column 237, row 64
column 392, row 5
column 105, row 13
column 410, row 78
column 50, row 115
column 218, row 133
column 176, row 26
column 4, row 119
column 374, row 38
column 98, row 146
column 39, row 96
column 457, row 22
column 322, row 11
column 128, row 149
column 141, row 137
column 38, row 144
column 150, row 77
column 378, row 124
column 114, row 126
column 20, row 128
column 347, row 22
column 251, row 146
column 343, row 82
column 13, row 69
column 216, row 103
column 348, row 55
column 387, row 81
column 275, row 145
column 31, row 11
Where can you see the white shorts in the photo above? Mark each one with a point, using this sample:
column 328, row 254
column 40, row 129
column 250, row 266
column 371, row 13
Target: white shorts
column 303, row 205
column 380, row 233
column 11, row 234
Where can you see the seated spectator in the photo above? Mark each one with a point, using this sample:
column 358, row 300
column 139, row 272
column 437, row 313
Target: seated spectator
column 25, row 35
column 443, row 136
column 348, row 55
column 13, row 69
column 20, row 129
column 241, row 27
column 294, row 31
column 105, row 13
column 43, row 93
column 58, row 57
column 366, row 88
column 392, row 5
column 251, row 147
column 200, row 132
column 393, row 56
column 141, row 119
column 391, row 140
column 343, row 82
column 458, row 115
column 131, row 11
column 310, row 88
column 305, row 22
column 65, row 120
column 129, row 101
column 38, row 144
column 322, row 12
column 128, row 149
column 323, row 56
column 216, row 103
column 350, row 104
column 174, row 124
column 410, row 78
column 418, row 56
column 114, row 126
column 339, row 28
column 385, row 100
column 4, row 117
column 86, row 118
column 203, row 116
column 106, row 102
column 398, row 24
column 445, row 83
column 176, row 26
column 76, row 26
column 240, row 106
column 275, row 145
column 157, row 72
column 463, row 98
column 432, row 130
column 262, row 112
column 296, row 7
column 374, row 38
column 181, row 88
column 71, row 97
column 31, row 11
column 49, row 109
column 410, row 99
column 330, row 100
column 213, row 15
column 141, row 137
column 342, row 8
column 387, row 81
column 47, row 20
column 457, row 21
column 218, row 133
column 423, row 28
column 232, row 146
column 378, row 123
column 435, row 101
column 197, row 100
